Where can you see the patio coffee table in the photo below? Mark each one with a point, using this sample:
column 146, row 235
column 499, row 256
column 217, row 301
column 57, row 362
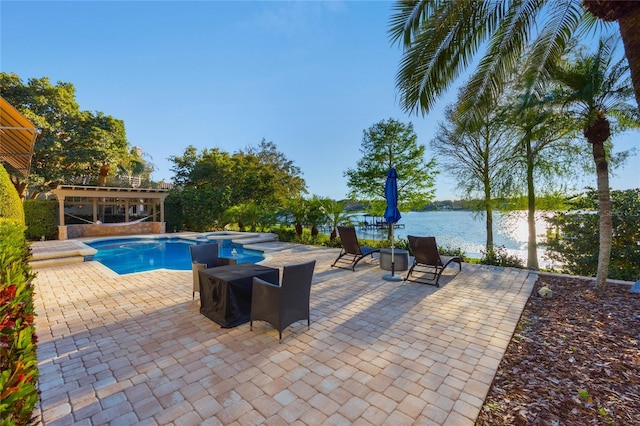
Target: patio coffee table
column 225, row 291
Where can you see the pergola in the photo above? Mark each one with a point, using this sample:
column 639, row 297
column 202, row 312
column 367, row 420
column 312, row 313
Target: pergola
column 17, row 138
column 125, row 196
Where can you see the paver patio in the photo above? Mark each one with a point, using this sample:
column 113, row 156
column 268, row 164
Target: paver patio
column 134, row 349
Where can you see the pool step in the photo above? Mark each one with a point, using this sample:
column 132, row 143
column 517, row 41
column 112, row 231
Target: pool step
column 46, row 254
column 47, row 263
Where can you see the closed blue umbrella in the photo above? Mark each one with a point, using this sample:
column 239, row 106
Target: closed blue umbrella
column 391, row 213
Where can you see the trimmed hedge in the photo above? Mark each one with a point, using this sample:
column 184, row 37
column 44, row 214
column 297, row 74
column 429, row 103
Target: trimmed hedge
column 10, row 203
column 18, row 362
column 40, row 216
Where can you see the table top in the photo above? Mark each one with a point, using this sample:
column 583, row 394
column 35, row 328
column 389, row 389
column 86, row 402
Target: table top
column 228, row 272
column 395, row 251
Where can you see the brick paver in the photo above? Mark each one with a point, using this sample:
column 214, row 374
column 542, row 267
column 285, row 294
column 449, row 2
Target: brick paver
column 134, row 349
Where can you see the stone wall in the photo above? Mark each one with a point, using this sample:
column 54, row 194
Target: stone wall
column 107, row 230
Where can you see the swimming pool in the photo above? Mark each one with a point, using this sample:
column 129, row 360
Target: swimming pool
column 129, row 255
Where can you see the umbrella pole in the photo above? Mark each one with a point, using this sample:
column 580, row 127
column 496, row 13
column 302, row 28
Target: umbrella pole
column 392, row 277
column 393, row 261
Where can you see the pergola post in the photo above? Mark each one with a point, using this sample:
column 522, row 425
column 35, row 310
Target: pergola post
column 61, row 210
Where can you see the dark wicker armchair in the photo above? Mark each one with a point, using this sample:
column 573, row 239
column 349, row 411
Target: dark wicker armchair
column 282, row 305
column 205, row 256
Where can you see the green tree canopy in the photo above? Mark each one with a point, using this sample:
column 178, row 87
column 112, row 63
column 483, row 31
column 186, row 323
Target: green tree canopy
column 257, row 176
column 390, row 143
column 73, row 144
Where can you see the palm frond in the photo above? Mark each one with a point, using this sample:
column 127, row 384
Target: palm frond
column 564, row 20
column 408, row 18
column 435, row 57
column 505, row 49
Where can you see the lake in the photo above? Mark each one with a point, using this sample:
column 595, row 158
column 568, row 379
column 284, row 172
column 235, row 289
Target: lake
column 465, row 230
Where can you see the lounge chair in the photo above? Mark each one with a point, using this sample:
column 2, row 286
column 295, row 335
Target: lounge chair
column 351, row 252
column 282, row 305
column 427, row 258
column 205, row 256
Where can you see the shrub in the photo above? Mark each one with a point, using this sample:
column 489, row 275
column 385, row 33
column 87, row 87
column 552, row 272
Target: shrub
column 40, row 216
column 575, row 240
column 18, row 363
column 10, row 203
column 498, row 256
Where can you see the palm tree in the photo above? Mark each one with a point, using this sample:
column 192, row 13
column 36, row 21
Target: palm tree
column 335, row 215
column 441, row 37
column 596, row 91
column 297, row 207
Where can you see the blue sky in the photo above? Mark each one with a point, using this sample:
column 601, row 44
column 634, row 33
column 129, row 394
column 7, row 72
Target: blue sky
column 309, row 76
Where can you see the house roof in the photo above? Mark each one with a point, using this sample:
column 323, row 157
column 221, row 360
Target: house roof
column 17, row 138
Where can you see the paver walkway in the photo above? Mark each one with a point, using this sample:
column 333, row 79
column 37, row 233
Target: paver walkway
column 134, row 349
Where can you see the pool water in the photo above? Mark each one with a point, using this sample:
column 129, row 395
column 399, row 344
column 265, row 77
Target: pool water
column 128, row 255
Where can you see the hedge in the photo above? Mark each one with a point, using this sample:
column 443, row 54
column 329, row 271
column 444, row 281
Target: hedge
column 40, row 216
column 18, row 362
column 10, row 203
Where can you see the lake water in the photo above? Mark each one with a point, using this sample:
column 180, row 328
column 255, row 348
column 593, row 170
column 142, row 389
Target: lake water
column 465, row 230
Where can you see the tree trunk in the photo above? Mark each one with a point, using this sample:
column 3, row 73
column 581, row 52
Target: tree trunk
column 604, row 208
column 532, row 243
column 627, row 14
column 314, row 231
column 20, row 186
column 489, row 212
column 333, row 235
column 630, row 32
column 298, row 229
column 104, row 171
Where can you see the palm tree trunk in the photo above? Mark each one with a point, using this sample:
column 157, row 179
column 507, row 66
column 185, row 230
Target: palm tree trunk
column 627, row 14
column 532, row 243
column 604, row 207
column 630, row 33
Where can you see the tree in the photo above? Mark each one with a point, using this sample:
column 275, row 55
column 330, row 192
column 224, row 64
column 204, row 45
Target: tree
column 477, row 156
column 72, row 143
column 297, row 208
column 315, row 215
column 388, row 144
column 335, row 215
column 596, row 91
column 543, row 150
column 441, row 38
column 286, row 175
column 135, row 166
column 254, row 176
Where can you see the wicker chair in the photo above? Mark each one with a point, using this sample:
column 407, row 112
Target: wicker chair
column 205, row 256
column 282, row 305
column 427, row 258
column 352, row 252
